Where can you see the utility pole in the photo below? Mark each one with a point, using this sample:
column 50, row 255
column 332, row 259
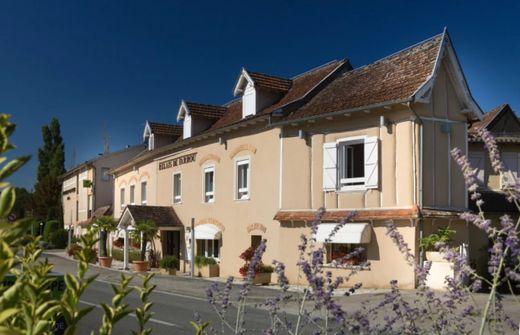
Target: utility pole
column 192, row 249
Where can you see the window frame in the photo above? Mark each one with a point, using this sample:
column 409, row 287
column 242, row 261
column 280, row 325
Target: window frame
column 236, row 191
column 132, row 194
column 205, row 194
column 342, row 182
column 176, row 199
column 145, row 201
column 122, row 198
column 206, row 246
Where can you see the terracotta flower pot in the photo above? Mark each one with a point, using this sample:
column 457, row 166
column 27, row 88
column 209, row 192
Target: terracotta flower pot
column 105, row 262
column 140, row 266
column 263, row 278
column 171, row 272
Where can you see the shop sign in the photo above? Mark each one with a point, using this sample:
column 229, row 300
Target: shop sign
column 177, row 161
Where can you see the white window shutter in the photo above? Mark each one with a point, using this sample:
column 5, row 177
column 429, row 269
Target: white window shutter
column 476, row 160
column 329, row 166
column 371, row 162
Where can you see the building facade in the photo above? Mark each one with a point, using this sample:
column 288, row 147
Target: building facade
column 371, row 143
column 89, row 187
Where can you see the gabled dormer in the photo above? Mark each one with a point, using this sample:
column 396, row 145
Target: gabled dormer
column 259, row 91
column 197, row 118
column 156, row 134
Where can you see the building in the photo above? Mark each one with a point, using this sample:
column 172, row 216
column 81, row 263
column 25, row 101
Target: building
column 88, row 189
column 374, row 141
column 504, row 125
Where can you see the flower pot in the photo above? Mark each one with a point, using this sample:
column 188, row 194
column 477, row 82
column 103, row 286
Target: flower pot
column 435, row 256
column 140, row 266
column 209, row 271
column 263, row 278
column 105, row 262
column 171, row 272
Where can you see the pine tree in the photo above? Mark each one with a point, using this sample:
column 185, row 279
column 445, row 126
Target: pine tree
column 51, row 165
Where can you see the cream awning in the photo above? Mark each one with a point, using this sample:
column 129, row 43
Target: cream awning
column 354, row 233
column 207, row 232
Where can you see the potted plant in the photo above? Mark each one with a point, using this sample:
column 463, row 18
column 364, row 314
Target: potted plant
column 147, row 230
column 207, row 266
column 105, row 225
column 262, row 272
column 169, row 265
column 429, row 243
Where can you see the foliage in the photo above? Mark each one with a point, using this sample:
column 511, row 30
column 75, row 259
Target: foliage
column 23, row 205
column 144, row 314
column 133, row 255
column 50, row 227
column 149, row 230
column 169, row 262
column 28, row 306
column 87, row 183
column 105, row 225
column 202, row 261
column 51, row 165
column 78, row 248
column 59, row 238
column 442, row 237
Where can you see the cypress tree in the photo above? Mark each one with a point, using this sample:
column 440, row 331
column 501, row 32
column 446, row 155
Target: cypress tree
column 51, row 165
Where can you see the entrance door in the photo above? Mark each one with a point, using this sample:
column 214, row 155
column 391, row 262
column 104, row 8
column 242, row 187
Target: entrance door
column 171, row 243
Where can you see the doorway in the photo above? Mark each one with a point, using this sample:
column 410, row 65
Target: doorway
column 171, row 243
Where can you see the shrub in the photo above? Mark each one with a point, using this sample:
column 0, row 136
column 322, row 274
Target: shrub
column 133, row 255
column 59, row 238
column 169, row 262
column 76, row 249
column 443, row 236
column 50, row 227
column 202, row 261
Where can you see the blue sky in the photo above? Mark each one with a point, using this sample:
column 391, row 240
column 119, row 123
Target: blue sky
column 113, row 65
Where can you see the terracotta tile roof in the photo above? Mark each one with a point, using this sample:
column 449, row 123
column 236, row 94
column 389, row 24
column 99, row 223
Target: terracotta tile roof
column 393, row 78
column 163, row 216
column 270, row 82
column 337, row 215
column 207, row 111
column 173, row 130
column 101, row 211
column 487, row 119
column 301, row 85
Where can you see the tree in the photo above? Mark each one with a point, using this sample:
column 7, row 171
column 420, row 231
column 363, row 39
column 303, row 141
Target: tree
column 51, row 165
column 23, row 204
column 149, row 231
column 105, row 225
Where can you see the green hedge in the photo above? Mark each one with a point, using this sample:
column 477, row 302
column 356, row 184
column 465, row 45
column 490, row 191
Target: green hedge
column 133, row 255
column 201, row 261
column 50, row 227
column 169, row 262
column 59, row 238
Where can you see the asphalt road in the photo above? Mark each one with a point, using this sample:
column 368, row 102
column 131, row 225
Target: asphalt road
column 173, row 309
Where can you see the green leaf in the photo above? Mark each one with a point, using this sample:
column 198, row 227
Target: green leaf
column 7, row 200
column 7, row 313
column 12, row 166
column 10, row 331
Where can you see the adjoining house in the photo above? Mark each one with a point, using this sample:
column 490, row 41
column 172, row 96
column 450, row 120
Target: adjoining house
column 88, row 188
column 504, row 125
column 374, row 141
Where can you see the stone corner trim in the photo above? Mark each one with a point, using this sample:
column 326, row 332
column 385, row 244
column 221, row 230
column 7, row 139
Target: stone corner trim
column 210, row 221
column 209, row 157
column 242, row 147
column 256, row 226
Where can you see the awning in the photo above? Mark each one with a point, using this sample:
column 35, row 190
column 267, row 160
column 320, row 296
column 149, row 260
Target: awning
column 354, row 233
column 207, row 232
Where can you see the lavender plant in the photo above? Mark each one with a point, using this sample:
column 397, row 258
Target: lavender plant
column 422, row 311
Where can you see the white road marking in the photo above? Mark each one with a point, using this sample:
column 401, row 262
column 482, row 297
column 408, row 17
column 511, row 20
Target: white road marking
column 165, row 323
column 161, row 292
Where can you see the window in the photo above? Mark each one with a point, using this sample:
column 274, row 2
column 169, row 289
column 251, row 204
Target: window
column 122, row 198
column 477, row 160
column 177, row 188
column 208, row 248
column 511, row 166
column 132, row 194
column 346, row 254
column 209, row 184
column 89, row 205
column 351, row 164
column 255, row 241
column 104, row 174
column 242, row 184
column 143, row 193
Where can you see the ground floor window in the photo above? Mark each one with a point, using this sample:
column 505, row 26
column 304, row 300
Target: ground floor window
column 340, row 252
column 255, row 241
column 208, row 248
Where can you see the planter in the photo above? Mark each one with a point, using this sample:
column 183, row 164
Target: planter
column 435, row 256
column 262, row 278
column 140, row 266
column 171, row 272
column 105, row 262
column 209, row 271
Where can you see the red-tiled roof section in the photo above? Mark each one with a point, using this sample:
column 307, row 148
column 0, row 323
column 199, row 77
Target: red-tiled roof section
column 166, row 129
column 393, row 78
column 339, row 215
column 486, row 120
column 301, row 85
column 270, row 82
column 207, row 111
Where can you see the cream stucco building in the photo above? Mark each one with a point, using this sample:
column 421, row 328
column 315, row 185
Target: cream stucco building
column 373, row 140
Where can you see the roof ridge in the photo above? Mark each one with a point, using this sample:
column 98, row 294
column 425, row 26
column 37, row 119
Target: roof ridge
column 268, row 75
column 319, row 67
column 163, row 123
column 398, row 52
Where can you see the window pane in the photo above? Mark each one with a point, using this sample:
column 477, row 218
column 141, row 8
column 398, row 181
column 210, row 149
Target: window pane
column 209, row 181
column 143, row 191
column 122, row 197
column 216, row 248
column 177, row 187
column 351, row 161
column 132, row 190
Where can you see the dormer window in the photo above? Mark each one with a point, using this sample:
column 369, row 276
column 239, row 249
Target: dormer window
column 148, row 136
column 157, row 134
column 197, row 117
column 259, row 91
